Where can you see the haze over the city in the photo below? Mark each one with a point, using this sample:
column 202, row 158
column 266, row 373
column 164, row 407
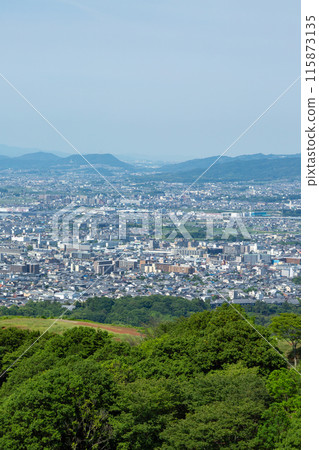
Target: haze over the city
column 158, row 80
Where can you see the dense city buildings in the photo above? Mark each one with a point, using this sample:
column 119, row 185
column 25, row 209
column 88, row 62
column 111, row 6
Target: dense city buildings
column 61, row 239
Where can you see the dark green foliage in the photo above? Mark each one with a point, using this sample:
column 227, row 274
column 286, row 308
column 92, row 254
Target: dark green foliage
column 137, row 311
column 263, row 312
column 204, row 382
column 225, row 408
column 11, row 340
column 95, row 309
column 34, row 309
column 144, row 410
column 297, row 280
column 134, row 311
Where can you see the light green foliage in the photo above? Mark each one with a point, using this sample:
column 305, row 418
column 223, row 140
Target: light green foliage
column 281, row 421
column 204, row 382
column 288, row 326
column 61, row 405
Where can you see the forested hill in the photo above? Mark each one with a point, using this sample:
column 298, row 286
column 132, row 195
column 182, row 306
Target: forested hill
column 133, row 311
column 136, row 311
column 204, row 382
column 256, row 167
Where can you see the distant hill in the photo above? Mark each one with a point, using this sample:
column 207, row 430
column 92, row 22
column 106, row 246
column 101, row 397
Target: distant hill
column 240, row 168
column 11, row 151
column 256, row 167
column 106, row 159
column 43, row 160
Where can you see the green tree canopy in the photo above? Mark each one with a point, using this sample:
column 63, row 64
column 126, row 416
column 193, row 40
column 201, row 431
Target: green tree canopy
column 287, row 326
column 207, row 381
column 65, row 406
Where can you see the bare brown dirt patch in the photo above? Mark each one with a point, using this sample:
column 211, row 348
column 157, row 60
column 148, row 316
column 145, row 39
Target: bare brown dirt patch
column 110, row 328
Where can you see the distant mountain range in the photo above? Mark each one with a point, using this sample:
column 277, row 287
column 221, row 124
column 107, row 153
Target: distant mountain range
column 240, row 168
column 256, row 167
column 43, row 160
column 7, row 150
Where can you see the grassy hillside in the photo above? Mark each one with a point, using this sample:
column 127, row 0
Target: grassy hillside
column 61, row 325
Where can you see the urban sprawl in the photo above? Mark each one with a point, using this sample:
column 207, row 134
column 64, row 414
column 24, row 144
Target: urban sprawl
column 68, row 238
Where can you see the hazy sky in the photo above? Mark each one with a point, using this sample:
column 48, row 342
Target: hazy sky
column 160, row 79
